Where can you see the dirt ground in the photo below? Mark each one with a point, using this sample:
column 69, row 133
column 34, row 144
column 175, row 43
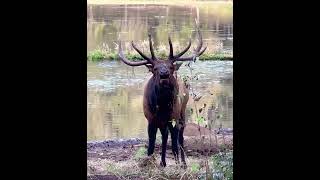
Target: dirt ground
column 116, row 159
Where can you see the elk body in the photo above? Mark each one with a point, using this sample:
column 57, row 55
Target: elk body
column 165, row 97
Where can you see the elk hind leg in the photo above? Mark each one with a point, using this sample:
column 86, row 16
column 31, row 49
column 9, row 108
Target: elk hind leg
column 181, row 139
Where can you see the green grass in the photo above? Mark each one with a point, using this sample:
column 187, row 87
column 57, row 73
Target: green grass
column 195, row 167
column 215, row 56
column 141, row 152
column 220, row 167
column 97, row 55
column 101, row 55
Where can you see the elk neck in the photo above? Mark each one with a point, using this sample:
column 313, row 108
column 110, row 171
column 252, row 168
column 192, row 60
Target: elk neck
column 163, row 96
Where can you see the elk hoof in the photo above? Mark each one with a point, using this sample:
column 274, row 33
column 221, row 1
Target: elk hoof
column 184, row 165
column 163, row 164
column 177, row 161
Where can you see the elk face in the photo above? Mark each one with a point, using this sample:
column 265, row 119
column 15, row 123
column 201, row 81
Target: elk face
column 163, row 70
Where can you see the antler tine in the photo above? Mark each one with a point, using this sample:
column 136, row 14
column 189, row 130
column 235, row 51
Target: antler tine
column 199, row 36
column 126, row 61
column 153, row 57
column 191, row 58
column 184, row 51
column 141, row 54
column 196, row 52
column 171, row 48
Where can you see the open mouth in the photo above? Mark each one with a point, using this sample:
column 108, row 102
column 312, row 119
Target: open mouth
column 164, row 80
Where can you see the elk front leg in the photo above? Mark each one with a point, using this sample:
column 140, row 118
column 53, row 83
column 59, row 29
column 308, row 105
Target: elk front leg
column 174, row 140
column 164, row 133
column 152, row 132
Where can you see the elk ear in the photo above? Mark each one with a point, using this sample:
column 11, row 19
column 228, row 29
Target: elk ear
column 177, row 66
column 150, row 67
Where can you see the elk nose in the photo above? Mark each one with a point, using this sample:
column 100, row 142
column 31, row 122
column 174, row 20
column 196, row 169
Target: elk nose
column 164, row 73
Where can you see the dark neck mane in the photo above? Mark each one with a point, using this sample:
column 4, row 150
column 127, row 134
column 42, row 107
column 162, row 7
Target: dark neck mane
column 162, row 97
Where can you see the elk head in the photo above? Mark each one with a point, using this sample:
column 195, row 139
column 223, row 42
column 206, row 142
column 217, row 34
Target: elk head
column 164, row 69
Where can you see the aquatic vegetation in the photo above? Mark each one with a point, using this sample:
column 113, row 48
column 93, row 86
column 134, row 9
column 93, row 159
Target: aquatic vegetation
column 101, row 54
column 97, row 55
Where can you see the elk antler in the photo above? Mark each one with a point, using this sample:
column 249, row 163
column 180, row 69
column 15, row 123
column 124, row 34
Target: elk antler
column 130, row 63
column 147, row 59
column 171, row 56
column 151, row 48
column 196, row 52
column 144, row 56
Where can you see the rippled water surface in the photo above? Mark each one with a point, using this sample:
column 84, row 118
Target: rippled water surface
column 115, row 97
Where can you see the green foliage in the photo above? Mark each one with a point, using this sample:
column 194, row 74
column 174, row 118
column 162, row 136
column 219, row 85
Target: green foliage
column 195, row 167
column 214, row 56
column 130, row 56
column 161, row 55
column 141, row 152
column 200, row 120
column 100, row 55
column 97, row 55
column 223, row 165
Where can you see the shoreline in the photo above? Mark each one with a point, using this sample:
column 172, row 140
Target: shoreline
column 119, row 142
column 97, row 56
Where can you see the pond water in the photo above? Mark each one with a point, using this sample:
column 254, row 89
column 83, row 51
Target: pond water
column 114, row 90
column 105, row 23
column 115, row 94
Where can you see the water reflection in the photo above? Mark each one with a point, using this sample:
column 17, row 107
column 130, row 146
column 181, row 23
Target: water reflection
column 115, row 97
column 134, row 22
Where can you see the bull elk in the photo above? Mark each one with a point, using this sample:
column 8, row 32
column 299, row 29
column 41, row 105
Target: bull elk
column 165, row 96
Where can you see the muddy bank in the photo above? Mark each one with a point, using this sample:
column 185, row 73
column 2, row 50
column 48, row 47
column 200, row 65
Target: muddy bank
column 123, row 149
column 112, row 159
column 114, row 143
column 191, row 130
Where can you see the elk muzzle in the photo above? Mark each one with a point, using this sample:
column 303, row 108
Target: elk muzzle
column 164, row 73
